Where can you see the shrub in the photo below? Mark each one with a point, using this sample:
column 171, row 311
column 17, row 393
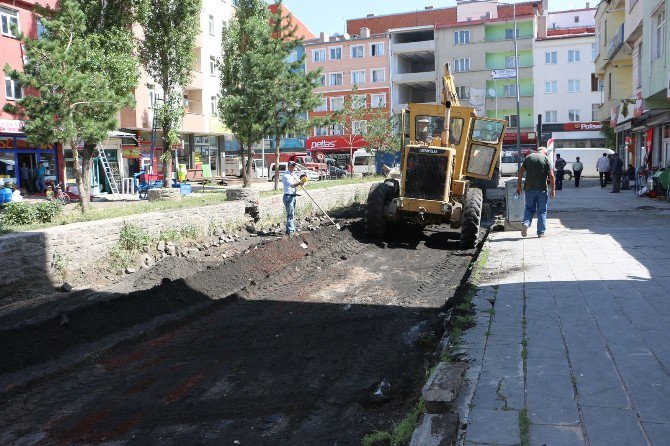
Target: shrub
column 133, row 237
column 48, row 211
column 18, row 213
column 190, row 232
column 170, row 235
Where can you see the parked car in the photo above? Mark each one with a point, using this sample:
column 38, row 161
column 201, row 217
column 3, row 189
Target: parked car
column 299, row 170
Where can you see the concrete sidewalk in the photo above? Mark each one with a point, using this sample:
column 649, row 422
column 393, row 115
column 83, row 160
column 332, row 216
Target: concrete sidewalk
column 572, row 345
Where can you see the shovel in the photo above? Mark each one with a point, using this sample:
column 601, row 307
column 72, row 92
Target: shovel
column 320, row 208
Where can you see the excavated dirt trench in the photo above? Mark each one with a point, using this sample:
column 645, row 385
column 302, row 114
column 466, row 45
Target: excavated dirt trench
column 285, row 345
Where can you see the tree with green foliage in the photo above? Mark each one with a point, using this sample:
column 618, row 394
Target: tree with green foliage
column 609, row 135
column 380, row 132
column 168, row 55
column 347, row 121
column 249, row 66
column 79, row 73
column 293, row 89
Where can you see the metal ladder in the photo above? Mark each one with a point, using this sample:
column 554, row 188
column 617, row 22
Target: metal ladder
column 112, row 179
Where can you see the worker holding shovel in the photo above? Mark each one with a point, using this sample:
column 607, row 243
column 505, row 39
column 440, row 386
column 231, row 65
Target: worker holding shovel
column 290, row 183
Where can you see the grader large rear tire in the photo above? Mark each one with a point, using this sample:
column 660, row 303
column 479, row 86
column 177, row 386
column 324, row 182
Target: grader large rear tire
column 375, row 220
column 472, row 217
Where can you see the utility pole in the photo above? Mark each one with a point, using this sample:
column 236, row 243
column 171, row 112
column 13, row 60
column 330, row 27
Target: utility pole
column 518, row 108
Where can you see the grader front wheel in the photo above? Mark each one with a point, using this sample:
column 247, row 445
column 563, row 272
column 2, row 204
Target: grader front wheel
column 472, row 217
column 375, row 220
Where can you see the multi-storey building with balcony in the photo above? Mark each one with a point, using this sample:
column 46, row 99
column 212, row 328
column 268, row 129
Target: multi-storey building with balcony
column 480, row 39
column 202, row 132
column 14, row 148
column 567, row 92
column 358, row 61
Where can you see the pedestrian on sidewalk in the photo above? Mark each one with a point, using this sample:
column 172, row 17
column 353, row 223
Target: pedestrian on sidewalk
column 603, row 168
column 24, row 177
column 616, row 167
column 577, row 168
column 560, row 171
column 290, row 182
column 537, row 168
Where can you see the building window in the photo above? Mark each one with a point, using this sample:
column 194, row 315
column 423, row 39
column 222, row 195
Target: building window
column 509, row 90
column 594, row 51
column 574, row 86
column 215, row 105
column 512, row 120
column 378, row 75
column 550, row 116
column 609, row 86
column 322, row 81
column 293, row 57
column 337, row 130
column 509, row 33
column 551, row 57
column 212, row 65
column 12, row 89
column 210, row 24
column 9, row 17
column 594, row 112
column 462, row 65
column 378, row 100
column 320, row 131
column 359, row 127
column 509, row 62
column 359, row 101
column 461, row 37
column 639, row 66
column 376, row 49
column 601, row 85
column 574, row 115
column 576, row 19
column 323, row 106
column 336, row 53
column 319, row 55
column 574, row 56
column 358, row 77
column 463, row 92
column 336, row 104
column 357, row 51
column 658, row 34
column 551, row 87
column 335, row 79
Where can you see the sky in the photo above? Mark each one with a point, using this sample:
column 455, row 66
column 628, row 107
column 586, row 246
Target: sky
column 330, row 16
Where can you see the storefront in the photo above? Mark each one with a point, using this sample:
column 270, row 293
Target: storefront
column 15, row 152
column 574, row 135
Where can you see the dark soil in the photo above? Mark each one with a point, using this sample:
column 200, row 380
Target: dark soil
column 288, row 347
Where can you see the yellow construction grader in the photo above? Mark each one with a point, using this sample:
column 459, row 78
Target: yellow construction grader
column 446, row 148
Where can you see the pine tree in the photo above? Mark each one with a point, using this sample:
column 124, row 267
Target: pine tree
column 293, row 89
column 249, row 67
column 167, row 53
column 79, row 75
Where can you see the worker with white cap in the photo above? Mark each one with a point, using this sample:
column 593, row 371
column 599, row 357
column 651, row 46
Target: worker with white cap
column 290, row 181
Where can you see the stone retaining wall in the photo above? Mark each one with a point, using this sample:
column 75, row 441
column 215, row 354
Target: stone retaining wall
column 30, row 254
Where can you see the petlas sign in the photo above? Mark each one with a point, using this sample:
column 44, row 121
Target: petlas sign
column 335, row 143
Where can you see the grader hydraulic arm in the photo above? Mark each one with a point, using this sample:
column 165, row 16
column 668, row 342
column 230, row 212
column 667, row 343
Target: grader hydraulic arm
column 449, row 98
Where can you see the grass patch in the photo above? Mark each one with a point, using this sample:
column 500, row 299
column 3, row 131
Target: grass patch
column 402, row 433
column 133, row 237
column 524, row 427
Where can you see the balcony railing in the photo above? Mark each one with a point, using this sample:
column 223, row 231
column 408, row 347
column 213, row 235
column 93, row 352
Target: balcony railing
column 616, row 43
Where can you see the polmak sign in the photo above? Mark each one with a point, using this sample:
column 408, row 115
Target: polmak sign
column 503, row 74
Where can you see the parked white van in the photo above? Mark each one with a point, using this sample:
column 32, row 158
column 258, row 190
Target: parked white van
column 364, row 162
column 588, row 156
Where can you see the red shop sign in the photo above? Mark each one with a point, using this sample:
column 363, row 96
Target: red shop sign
column 335, row 143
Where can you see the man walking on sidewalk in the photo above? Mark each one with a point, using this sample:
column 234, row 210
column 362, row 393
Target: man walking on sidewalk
column 538, row 170
column 560, row 171
column 616, row 168
column 577, row 168
column 603, row 168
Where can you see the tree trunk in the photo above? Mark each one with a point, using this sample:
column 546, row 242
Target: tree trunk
column 247, row 167
column 87, row 165
column 167, row 163
column 244, row 164
column 277, row 142
column 83, row 197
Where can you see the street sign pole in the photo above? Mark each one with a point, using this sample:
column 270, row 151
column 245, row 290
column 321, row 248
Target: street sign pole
column 518, row 111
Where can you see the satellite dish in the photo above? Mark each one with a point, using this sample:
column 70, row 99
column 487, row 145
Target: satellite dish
column 492, row 92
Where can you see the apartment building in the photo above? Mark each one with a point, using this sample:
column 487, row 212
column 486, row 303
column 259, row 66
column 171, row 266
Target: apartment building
column 480, row 40
column 567, row 93
column 202, row 132
column 14, row 148
column 346, row 61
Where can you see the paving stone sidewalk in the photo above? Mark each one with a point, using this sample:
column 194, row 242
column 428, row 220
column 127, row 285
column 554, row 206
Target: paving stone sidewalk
column 577, row 338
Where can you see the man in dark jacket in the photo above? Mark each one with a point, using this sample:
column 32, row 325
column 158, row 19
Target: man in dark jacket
column 616, row 169
column 560, row 171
